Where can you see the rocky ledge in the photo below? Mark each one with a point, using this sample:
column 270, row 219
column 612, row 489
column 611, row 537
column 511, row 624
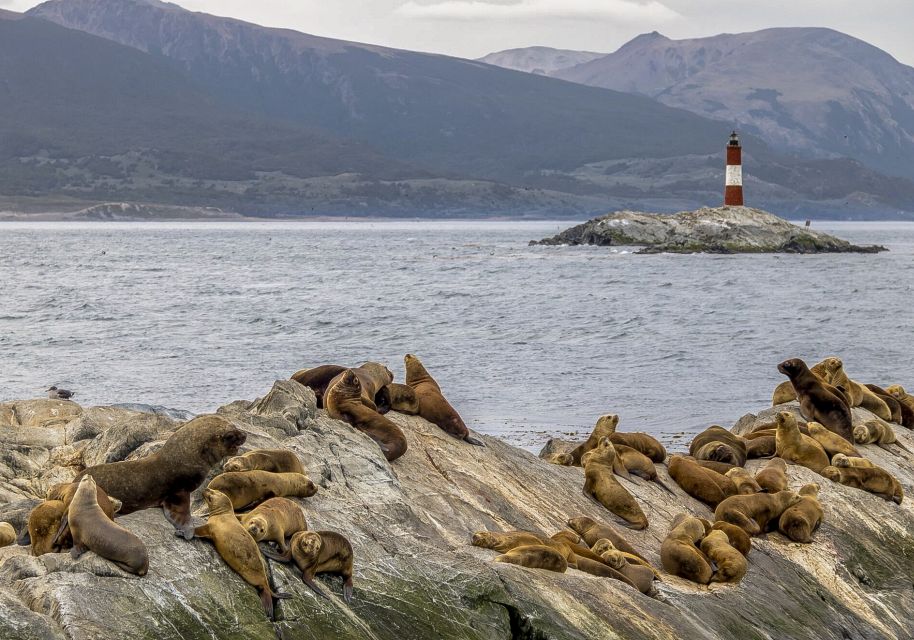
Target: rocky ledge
column 411, row 522
column 706, row 230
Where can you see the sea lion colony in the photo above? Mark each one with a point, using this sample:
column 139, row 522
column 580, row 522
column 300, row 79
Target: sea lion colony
column 81, row 515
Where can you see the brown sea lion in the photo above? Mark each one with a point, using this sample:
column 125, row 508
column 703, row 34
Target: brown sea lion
column 274, row 521
column 344, row 402
column 761, row 447
column 731, row 564
column 640, row 576
column 317, row 379
column 679, row 554
column 398, row 397
column 738, row 538
column 591, row 531
column 237, row 547
column 643, row 442
column 167, row 477
column 785, row 392
column 874, row 432
column 535, row 557
column 605, row 427
column 561, row 459
column 819, row 402
column 636, row 463
column 717, row 444
column 248, row 488
column 601, row 484
column 93, row 530
column 43, row 526
column 794, row 447
column 702, row 484
column 432, row 404
column 841, row 460
column 767, row 432
column 773, row 476
column 756, row 513
column 7, row 534
column 799, row 521
column 604, row 546
column 744, row 481
column 503, row 541
column 373, row 376
column 890, row 401
column 65, row 492
column 273, row 460
column 875, row 480
column 831, row 442
column 859, row 395
column 906, row 402
column 317, row 552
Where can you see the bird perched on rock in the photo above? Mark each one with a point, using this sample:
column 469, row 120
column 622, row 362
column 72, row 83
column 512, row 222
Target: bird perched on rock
column 60, row 394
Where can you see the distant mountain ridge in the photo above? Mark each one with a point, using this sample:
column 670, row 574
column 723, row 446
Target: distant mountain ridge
column 544, row 61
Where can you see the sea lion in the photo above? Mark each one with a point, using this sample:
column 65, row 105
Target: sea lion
column 720, row 468
column 799, row 521
column 906, row 402
column 317, row 552
column 605, row 546
column 274, row 521
column 43, row 526
column 372, row 376
column 433, row 406
column 745, row 483
column 643, row 442
column 831, row 442
column 773, row 476
column 785, row 392
column 344, row 402
column 702, row 484
column 680, row 556
column 874, row 432
column 641, row 577
column 601, row 484
column 504, row 541
column 841, row 460
column 7, row 534
column 755, row 514
column 248, row 488
column 591, row 531
column 894, row 406
column 167, row 477
column 93, row 530
column 636, row 463
column 767, row 432
column 318, row 379
column 796, row 448
column 819, row 401
column 65, row 492
column 273, row 460
column 731, row 564
column 398, row 397
column 535, row 557
column 738, row 538
column 605, row 427
column 859, row 395
column 236, row 546
column 761, row 447
column 717, row 444
column 561, row 459
column 875, row 480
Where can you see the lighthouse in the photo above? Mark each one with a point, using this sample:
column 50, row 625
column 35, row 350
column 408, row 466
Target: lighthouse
column 733, row 186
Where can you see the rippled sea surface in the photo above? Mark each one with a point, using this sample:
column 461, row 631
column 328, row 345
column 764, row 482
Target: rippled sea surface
column 527, row 342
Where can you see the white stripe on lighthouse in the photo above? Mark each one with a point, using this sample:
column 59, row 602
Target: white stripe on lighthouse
column 734, row 175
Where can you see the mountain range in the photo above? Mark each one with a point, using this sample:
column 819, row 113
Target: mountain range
column 143, row 101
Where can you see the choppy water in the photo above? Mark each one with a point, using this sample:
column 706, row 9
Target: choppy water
column 526, row 341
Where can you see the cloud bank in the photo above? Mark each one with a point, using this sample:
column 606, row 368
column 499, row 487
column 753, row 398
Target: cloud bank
column 622, row 10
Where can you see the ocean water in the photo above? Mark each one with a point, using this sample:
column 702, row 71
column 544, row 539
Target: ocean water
column 527, row 342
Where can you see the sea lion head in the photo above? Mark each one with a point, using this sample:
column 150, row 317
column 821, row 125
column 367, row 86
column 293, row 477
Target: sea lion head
column 237, row 463
column 257, row 527
column 811, row 489
column 376, row 368
column 840, row 460
column 897, row 391
column 580, row 524
column 778, row 463
column 614, row 559
column 791, row 367
column 832, row 473
column 787, row 498
column 603, row 545
column 485, row 539
column 567, row 536
column 309, row 544
column 832, row 365
column 786, row 420
column 563, row 459
column 217, row 502
column 414, row 368
column 717, row 536
column 604, row 453
column 607, row 424
column 208, row 438
column 718, row 452
column 861, row 433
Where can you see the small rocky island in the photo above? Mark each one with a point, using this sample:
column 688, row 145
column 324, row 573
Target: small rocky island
column 706, row 230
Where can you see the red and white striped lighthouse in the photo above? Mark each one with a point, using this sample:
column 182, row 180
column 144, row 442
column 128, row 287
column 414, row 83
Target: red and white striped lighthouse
column 733, row 189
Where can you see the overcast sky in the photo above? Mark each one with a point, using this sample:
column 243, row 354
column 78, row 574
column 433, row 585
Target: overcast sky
column 472, row 28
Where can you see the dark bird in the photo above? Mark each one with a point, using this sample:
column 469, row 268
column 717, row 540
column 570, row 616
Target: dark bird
column 60, row 394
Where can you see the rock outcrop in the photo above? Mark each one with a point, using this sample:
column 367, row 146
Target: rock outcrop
column 410, row 523
column 707, row 230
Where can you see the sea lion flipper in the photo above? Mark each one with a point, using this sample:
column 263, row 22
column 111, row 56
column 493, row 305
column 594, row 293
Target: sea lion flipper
column 266, row 599
column 25, row 538
column 77, row 551
column 61, row 530
column 620, row 469
column 313, row 585
column 279, row 557
column 347, row 590
column 279, row 595
column 474, row 441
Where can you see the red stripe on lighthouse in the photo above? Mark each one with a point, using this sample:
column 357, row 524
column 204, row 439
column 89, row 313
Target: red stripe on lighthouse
column 733, row 184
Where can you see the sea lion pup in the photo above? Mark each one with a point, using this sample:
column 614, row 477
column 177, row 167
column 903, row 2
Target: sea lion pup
column 641, row 577
column 680, row 556
column 604, row 546
column 756, row 513
column 317, row 379
column 44, row 525
column 819, row 402
column 236, row 546
column 7, row 534
column 785, row 392
column 636, row 463
column 831, row 442
column 702, row 484
column 773, row 476
column 167, row 477
column 841, row 460
column 801, row 520
column 592, row 531
column 566, row 543
column 875, row 480
column 731, row 564
column 605, row 427
column 738, row 538
column 317, row 552
column 717, row 444
column 643, row 442
column 432, row 404
column 535, row 556
column 857, row 394
column 93, row 530
column 906, row 402
column 274, row 460
column 248, row 488
column 601, row 484
column 344, row 402
column 796, row 448
column 561, row 459
column 745, row 483
column 874, row 432
column 274, row 521
column 65, row 492
column 761, row 447
column 398, row 397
